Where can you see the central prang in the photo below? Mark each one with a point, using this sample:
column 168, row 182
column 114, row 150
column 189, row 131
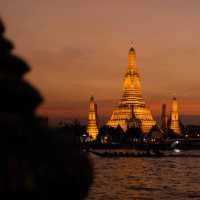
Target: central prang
column 132, row 101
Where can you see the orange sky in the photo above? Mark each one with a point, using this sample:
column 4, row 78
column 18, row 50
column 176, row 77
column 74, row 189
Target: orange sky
column 78, row 48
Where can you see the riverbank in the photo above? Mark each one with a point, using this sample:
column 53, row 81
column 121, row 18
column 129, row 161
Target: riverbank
column 184, row 144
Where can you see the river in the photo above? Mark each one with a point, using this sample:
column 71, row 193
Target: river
column 173, row 178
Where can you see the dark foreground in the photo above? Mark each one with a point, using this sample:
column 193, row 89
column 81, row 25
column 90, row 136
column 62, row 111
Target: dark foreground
column 146, row 178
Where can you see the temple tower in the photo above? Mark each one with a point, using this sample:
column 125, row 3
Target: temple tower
column 132, row 100
column 164, row 118
column 174, row 121
column 92, row 128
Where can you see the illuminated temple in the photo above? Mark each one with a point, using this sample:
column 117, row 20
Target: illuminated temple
column 132, row 108
column 92, row 128
column 174, row 121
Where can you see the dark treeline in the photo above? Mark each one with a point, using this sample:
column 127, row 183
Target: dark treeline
column 74, row 127
column 108, row 135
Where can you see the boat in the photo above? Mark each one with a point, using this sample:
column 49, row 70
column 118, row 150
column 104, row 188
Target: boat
column 175, row 154
column 122, row 154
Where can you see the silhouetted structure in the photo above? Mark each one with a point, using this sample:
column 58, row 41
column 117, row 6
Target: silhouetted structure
column 134, row 134
column 34, row 162
column 110, row 135
column 156, row 132
column 164, row 118
column 133, row 122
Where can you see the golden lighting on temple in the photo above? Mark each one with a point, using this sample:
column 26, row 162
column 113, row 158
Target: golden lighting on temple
column 92, row 128
column 174, row 121
column 132, row 102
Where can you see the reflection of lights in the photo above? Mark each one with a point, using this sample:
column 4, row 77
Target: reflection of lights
column 135, row 139
column 198, row 135
column 186, row 135
column 177, row 141
column 153, row 139
column 177, row 150
column 84, row 135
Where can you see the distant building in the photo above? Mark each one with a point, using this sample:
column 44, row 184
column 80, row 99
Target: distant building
column 174, row 122
column 132, row 108
column 92, row 128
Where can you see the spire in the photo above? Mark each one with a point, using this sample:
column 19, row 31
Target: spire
column 174, row 117
column 132, row 58
column 92, row 128
column 132, row 49
column 164, row 109
column 91, row 98
column 174, row 107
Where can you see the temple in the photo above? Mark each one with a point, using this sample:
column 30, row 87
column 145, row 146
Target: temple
column 132, row 108
column 174, row 123
column 92, row 128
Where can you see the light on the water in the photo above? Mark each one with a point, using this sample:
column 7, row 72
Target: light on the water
column 177, row 150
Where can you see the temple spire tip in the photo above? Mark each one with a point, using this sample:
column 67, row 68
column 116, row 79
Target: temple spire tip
column 132, row 48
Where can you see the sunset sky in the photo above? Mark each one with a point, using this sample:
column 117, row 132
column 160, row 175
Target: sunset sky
column 79, row 47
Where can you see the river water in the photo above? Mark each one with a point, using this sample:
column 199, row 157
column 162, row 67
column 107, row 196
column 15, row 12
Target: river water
column 173, row 178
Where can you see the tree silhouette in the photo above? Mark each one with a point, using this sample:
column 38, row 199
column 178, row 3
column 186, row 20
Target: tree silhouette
column 34, row 162
column 156, row 132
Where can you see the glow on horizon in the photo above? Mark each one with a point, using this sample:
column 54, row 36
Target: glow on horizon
column 106, row 107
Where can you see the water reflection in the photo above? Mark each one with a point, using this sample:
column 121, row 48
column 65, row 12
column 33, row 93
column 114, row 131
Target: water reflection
column 146, row 178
